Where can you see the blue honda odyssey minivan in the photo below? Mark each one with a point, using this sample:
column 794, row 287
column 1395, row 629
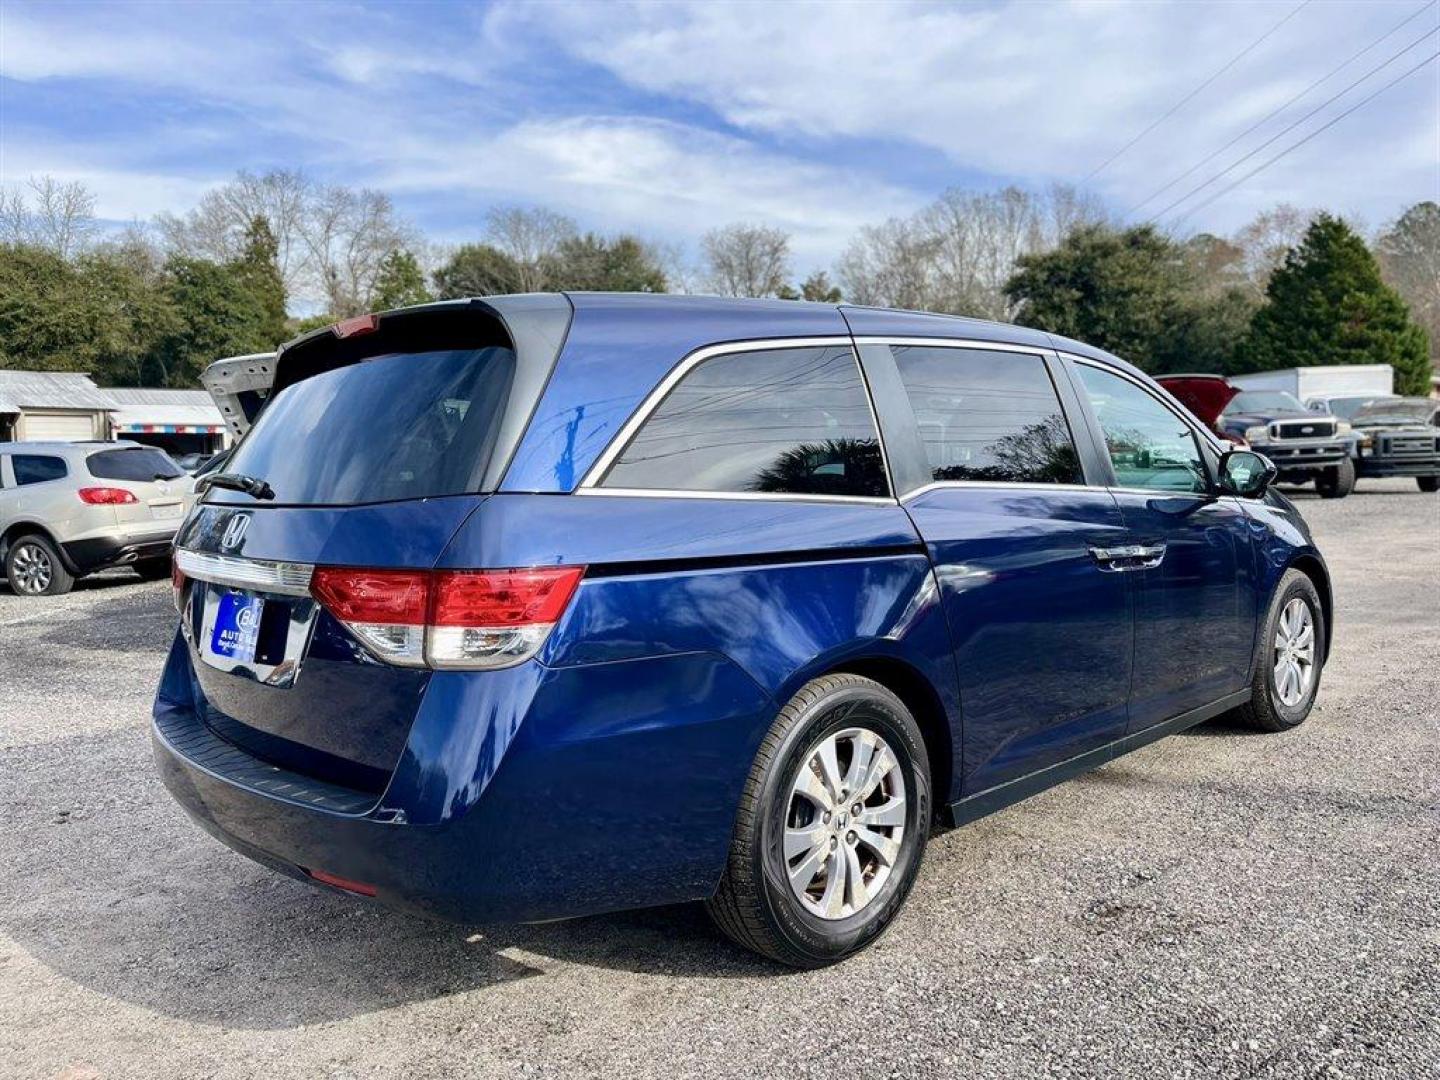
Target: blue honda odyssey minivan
column 528, row 607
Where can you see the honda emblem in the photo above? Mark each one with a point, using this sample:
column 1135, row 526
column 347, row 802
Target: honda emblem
column 235, row 532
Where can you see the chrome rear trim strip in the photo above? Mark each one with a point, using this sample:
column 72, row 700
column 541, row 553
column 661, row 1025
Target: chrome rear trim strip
column 263, row 575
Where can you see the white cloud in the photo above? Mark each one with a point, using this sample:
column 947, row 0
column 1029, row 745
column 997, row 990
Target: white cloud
column 1030, row 90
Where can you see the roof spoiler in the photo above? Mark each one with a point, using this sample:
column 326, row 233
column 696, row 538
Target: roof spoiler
column 238, row 385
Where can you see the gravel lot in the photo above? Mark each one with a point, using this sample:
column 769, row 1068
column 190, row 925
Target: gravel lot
column 1218, row 904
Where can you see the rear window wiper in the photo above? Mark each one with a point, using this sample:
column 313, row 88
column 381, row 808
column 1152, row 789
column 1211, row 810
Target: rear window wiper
column 250, row 485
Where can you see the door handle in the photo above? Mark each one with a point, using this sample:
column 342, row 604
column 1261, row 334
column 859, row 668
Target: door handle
column 1129, row 557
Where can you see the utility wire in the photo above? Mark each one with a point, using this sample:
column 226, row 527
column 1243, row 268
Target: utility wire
column 1291, row 127
column 1280, row 109
column 1193, row 93
column 1301, row 142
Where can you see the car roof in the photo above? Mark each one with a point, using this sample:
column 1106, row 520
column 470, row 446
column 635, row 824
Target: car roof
column 739, row 318
column 57, row 446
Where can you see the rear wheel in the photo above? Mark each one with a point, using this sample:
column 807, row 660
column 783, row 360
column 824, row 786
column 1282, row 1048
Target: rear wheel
column 1428, row 483
column 831, row 827
column 33, row 568
column 1338, row 482
column 1289, row 657
column 153, row 569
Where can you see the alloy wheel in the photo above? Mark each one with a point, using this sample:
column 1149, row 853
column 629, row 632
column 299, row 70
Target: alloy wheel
column 845, row 823
column 32, row 568
column 1294, row 653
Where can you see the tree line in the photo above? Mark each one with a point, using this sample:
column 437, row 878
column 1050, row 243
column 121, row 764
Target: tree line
column 270, row 255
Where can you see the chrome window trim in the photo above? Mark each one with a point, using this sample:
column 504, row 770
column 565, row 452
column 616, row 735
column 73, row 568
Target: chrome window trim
column 1000, row 485
column 956, row 343
column 749, row 496
column 590, row 484
column 262, row 575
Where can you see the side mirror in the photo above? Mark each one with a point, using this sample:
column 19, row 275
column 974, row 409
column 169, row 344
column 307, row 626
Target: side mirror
column 1246, row 473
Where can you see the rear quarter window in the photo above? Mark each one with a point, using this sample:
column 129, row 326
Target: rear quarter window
column 772, row 421
column 37, row 468
column 395, row 426
column 137, row 464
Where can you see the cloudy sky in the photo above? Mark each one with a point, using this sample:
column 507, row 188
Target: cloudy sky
column 669, row 119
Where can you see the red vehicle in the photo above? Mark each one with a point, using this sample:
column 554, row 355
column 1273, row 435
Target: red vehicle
column 1206, row 396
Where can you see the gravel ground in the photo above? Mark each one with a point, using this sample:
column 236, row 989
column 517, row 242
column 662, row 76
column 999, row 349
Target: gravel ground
column 1218, row 904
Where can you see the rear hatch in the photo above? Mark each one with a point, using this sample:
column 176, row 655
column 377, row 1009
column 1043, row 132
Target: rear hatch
column 156, row 486
column 378, row 438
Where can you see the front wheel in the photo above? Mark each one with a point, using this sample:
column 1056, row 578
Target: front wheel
column 831, row 827
column 1338, row 482
column 1289, row 657
column 1428, row 483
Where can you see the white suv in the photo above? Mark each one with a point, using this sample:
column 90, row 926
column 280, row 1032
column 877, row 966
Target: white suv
column 69, row 509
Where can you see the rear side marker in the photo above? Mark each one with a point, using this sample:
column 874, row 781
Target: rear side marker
column 359, row 888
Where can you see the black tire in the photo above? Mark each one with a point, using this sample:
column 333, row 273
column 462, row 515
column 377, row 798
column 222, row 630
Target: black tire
column 755, row 905
column 1338, row 482
column 153, row 569
column 1428, row 483
column 1265, row 710
column 34, row 568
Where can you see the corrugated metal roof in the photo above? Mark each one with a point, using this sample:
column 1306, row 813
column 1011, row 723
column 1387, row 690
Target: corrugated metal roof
column 141, row 405
column 51, row 390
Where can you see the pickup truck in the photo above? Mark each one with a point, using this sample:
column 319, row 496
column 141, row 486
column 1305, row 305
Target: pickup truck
column 1304, row 445
column 1397, row 436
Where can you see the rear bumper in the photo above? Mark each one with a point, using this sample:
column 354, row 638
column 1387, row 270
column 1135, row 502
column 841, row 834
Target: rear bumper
column 98, row 552
column 525, row 794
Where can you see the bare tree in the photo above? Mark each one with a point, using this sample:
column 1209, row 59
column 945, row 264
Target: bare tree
column 956, row 254
column 347, row 234
column 1409, row 252
column 531, row 236
column 1267, row 239
column 56, row 215
column 746, row 260
column 889, row 265
column 215, row 229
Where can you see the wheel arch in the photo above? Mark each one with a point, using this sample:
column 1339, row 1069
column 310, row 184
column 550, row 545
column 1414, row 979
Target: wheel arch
column 18, row 529
column 1312, row 567
column 919, row 695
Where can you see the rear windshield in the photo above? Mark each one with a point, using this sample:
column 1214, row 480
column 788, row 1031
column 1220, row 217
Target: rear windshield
column 1263, row 401
column 397, row 426
column 137, row 463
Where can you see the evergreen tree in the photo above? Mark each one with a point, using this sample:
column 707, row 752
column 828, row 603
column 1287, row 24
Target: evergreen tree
column 1116, row 290
column 1327, row 305
column 258, row 270
column 400, row 283
column 594, row 264
column 477, row 270
column 219, row 313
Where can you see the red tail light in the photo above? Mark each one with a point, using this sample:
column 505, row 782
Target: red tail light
column 177, row 584
column 360, row 324
column 503, row 597
column 448, row 618
column 386, row 597
column 106, row 496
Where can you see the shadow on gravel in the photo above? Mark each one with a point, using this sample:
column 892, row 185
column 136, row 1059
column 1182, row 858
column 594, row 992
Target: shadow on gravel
column 109, row 886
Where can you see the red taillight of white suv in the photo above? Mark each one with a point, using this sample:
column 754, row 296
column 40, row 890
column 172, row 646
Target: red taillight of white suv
column 473, row 619
column 106, row 496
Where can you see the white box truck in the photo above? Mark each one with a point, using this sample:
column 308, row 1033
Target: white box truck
column 1324, row 381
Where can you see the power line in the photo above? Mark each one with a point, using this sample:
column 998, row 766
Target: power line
column 1301, row 142
column 1292, row 126
column 1280, row 109
column 1191, row 96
